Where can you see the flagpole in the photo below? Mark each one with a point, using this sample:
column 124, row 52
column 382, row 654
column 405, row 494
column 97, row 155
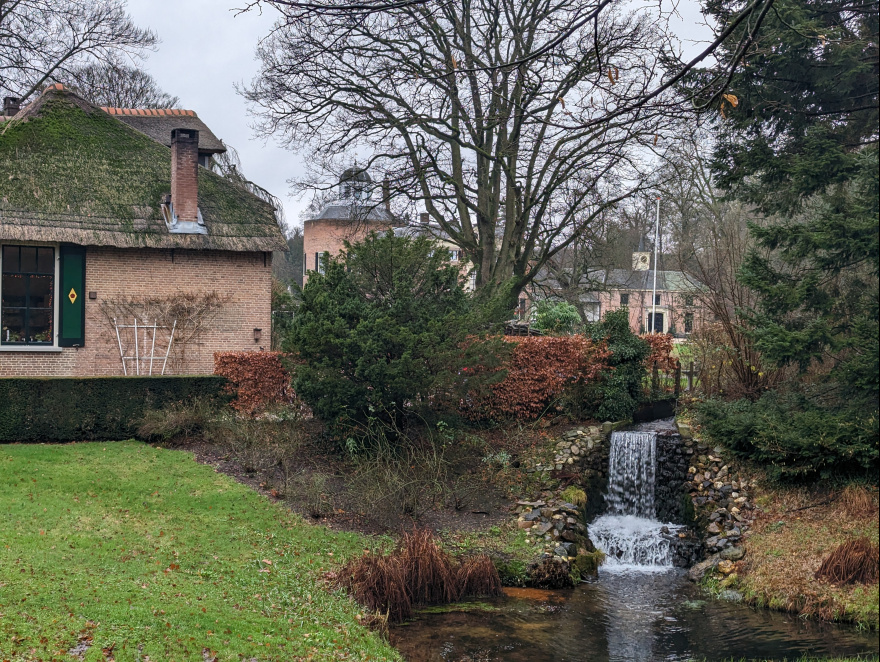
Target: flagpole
column 654, row 289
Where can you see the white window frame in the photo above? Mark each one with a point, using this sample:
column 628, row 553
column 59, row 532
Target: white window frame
column 55, row 312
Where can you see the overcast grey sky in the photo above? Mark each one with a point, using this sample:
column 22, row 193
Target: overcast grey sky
column 207, row 47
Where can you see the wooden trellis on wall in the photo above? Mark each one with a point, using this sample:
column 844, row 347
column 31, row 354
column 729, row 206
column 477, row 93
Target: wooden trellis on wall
column 145, row 351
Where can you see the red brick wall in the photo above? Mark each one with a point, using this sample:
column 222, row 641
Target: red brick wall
column 244, row 278
column 330, row 236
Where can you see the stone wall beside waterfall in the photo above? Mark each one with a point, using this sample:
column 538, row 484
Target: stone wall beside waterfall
column 673, row 459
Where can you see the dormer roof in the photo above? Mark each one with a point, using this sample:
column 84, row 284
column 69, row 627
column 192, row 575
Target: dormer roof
column 159, row 122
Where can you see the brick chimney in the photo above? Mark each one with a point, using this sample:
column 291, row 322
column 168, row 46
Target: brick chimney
column 185, row 175
column 11, row 106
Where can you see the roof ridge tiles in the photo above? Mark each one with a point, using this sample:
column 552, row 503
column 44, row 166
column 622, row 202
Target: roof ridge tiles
column 149, row 112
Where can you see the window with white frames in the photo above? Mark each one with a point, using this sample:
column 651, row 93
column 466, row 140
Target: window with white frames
column 42, row 297
column 27, row 295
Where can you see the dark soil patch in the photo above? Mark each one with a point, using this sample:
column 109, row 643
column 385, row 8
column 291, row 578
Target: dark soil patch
column 485, row 507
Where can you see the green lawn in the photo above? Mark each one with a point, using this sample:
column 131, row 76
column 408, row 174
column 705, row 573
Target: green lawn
column 148, row 555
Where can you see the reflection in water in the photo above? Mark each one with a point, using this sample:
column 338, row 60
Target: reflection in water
column 638, row 616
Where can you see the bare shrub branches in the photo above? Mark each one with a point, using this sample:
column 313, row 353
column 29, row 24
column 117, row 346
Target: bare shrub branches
column 193, row 312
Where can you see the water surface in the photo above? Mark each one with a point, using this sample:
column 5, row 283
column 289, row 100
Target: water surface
column 624, row 616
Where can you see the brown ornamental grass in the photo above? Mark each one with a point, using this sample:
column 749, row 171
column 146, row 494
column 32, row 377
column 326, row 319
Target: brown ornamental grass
column 416, row 573
column 854, row 562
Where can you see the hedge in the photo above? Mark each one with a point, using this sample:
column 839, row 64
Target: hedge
column 255, row 378
column 91, row 408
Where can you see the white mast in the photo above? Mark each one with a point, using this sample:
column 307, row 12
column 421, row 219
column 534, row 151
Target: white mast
column 654, row 289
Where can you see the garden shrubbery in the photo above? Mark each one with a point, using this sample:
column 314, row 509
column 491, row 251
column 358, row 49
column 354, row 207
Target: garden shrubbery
column 793, row 437
column 387, row 332
column 381, row 333
column 257, row 379
column 617, row 393
column 93, row 408
column 539, row 370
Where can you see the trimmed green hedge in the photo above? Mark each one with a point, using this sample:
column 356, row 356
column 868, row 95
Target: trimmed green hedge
column 91, row 408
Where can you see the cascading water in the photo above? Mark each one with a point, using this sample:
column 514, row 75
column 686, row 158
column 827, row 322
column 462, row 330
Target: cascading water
column 628, row 533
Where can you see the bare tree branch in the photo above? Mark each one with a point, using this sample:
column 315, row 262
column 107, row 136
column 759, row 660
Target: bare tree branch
column 43, row 41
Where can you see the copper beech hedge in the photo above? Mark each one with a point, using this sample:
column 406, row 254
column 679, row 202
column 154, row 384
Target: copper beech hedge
column 661, row 351
column 255, row 378
column 538, row 370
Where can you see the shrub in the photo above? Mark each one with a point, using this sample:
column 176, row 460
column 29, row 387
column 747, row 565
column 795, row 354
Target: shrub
column 661, row 351
column 556, row 317
column 91, row 408
column 618, row 390
column 539, row 370
column 398, row 473
column 855, row 561
column 312, row 492
column 792, row 436
column 259, row 445
column 380, row 332
column 256, row 378
column 177, row 420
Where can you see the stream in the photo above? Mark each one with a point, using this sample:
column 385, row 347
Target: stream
column 622, row 616
column 640, row 607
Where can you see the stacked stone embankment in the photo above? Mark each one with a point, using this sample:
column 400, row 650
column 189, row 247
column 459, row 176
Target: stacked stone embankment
column 720, row 494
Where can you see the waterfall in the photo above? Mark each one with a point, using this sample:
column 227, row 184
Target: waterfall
column 631, row 470
column 628, row 532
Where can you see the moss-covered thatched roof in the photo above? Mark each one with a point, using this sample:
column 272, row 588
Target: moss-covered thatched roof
column 69, row 172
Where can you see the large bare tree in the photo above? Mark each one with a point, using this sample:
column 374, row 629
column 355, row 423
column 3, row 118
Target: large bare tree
column 42, row 41
column 513, row 148
column 119, row 85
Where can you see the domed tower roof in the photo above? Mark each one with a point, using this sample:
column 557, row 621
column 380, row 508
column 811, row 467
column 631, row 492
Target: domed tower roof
column 355, row 174
column 355, row 184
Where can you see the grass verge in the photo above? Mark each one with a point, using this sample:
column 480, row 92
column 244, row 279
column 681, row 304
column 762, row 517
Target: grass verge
column 129, row 552
column 797, row 529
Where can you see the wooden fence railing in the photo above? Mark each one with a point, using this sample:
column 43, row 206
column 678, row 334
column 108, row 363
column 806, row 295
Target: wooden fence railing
column 661, row 383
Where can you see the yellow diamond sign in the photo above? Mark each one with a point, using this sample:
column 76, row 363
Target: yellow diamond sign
column 72, row 295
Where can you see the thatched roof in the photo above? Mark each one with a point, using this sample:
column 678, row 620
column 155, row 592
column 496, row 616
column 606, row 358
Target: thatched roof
column 70, row 172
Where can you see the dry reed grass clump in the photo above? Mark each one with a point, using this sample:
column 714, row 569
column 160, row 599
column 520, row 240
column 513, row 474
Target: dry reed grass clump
column 855, row 561
column 430, row 572
column 379, row 584
column 417, row 572
column 477, row 576
column 857, row 501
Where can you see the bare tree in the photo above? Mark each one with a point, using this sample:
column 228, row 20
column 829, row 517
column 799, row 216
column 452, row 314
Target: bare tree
column 513, row 149
column 709, row 236
column 44, row 40
column 120, row 86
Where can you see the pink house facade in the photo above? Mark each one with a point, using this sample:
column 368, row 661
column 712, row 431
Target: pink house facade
column 673, row 306
column 676, row 307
